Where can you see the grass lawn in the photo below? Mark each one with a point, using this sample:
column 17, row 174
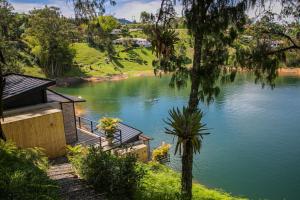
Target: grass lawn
column 163, row 183
column 94, row 62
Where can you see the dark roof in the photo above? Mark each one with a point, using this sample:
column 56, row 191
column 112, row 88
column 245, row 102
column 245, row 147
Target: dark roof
column 128, row 133
column 53, row 96
column 17, row 84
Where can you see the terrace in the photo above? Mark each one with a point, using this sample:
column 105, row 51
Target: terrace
column 125, row 136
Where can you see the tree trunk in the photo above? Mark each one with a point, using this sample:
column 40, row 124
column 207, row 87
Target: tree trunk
column 187, row 170
column 187, row 157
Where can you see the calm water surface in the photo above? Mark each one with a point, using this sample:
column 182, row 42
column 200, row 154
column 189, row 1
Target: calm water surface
column 254, row 148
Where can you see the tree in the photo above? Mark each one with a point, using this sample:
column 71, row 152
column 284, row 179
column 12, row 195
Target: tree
column 145, row 17
column 48, row 36
column 189, row 131
column 90, row 9
column 275, row 36
column 8, row 48
column 99, row 33
column 214, row 26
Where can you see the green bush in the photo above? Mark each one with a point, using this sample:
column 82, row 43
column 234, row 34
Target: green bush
column 23, row 174
column 118, row 177
column 163, row 183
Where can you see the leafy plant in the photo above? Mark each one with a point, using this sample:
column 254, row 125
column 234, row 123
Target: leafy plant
column 118, row 177
column 160, row 152
column 162, row 183
column 23, row 174
column 109, row 126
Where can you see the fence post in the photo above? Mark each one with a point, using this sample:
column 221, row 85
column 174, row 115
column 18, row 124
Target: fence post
column 120, row 136
column 92, row 130
column 79, row 122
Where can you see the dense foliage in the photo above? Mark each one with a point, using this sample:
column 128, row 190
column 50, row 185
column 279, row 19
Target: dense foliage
column 48, row 36
column 23, row 174
column 11, row 28
column 118, row 177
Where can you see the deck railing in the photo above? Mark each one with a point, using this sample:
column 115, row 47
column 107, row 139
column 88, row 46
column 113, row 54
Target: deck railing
column 91, row 126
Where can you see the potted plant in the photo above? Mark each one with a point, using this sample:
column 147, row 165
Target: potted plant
column 109, row 125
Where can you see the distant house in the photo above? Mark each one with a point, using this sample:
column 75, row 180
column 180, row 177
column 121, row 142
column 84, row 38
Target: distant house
column 135, row 29
column 116, row 32
column 137, row 41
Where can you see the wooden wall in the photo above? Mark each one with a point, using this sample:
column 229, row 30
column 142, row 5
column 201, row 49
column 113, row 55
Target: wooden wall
column 69, row 122
column 41, row 128
column 141, row 151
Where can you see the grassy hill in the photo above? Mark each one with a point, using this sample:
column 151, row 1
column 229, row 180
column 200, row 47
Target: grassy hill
column 94, row 62
column 90, row 61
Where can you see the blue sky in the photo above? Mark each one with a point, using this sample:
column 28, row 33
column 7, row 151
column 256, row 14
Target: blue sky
column 129, row 9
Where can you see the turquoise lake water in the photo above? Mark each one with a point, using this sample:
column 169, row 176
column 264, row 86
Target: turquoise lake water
column 254, row 146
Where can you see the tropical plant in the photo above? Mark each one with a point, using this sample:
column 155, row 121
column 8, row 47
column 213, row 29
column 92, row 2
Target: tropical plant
column 109, row 126
column 23, row 174
column 189, row 130
column 118, row 177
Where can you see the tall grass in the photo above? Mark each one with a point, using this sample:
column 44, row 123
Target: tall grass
column 23, row 174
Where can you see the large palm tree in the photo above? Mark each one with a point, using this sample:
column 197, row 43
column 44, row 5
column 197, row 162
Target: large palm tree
column 189, row 130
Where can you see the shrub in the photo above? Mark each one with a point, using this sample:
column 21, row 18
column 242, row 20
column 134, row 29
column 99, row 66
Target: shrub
column 160, row 152
column 118, row 177
column 23, row 174
column 162, row 183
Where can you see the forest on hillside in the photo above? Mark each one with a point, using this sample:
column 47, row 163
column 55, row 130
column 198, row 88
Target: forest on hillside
column 47, row 44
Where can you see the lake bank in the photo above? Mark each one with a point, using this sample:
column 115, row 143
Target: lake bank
column 67, row 81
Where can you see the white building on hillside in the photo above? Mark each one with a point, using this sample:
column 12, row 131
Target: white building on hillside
column 137, row 41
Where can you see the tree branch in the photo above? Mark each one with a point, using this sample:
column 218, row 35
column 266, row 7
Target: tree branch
column 283, row 50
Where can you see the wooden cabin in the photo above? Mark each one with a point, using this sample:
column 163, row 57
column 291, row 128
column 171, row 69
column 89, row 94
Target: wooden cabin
column 35, row 116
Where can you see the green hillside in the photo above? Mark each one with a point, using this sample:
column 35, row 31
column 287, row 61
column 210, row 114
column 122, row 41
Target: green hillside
column 90, row 61
column 93, row 62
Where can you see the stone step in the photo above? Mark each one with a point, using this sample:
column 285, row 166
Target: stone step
column 71, row 186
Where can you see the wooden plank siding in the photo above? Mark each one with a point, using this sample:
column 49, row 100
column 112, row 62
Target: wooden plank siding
column 69, row 122
column 42, row 128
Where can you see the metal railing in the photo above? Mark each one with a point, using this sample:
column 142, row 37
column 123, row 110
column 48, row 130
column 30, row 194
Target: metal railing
column 91, row 126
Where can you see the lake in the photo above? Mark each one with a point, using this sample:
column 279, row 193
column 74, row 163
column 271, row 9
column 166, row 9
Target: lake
column 254, row 146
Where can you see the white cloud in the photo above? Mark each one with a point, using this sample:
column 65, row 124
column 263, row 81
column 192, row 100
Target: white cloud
column 66, row 8
column 129, row 9
column 132, row 9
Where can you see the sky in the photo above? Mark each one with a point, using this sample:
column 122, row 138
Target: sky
column 129, row 9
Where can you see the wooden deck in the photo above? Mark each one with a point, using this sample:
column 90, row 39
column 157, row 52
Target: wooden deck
column 87, row 138
column 88, row 134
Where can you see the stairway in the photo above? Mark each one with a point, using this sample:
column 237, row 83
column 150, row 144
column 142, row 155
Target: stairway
column 71, row 187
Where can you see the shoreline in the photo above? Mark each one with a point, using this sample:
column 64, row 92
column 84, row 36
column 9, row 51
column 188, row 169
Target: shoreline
column 67, row 81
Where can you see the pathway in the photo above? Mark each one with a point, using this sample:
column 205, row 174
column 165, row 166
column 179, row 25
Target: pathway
column 71, row 187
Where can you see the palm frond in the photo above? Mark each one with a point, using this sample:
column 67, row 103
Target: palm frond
column 186, row 126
